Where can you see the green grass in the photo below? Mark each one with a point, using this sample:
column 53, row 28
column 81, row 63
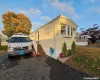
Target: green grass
column 3, row 48
column 90, row 65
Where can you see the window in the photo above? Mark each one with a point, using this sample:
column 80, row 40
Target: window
column 63, row 30
column 71, row 31
column 68, row 31
column 84, row 37
column 19, row 39
column 80, row 37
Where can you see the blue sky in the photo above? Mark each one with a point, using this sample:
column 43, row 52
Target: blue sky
column 84, row 13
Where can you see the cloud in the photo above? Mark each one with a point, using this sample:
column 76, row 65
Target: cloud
column 92, row 1
column 64, row 7
column 95, row 9
column 46, row 18
column 36, row 25
column 1, row 24
column 76, row 16
column 31, row 12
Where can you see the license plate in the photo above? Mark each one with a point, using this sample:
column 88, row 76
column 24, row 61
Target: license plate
column 21, row 53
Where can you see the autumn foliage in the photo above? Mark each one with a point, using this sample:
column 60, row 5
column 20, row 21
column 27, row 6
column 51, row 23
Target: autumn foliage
column 15, row 23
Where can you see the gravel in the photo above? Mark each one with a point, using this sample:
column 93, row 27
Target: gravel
column 37, row 68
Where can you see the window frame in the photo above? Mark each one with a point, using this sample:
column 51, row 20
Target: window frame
column 63, row 30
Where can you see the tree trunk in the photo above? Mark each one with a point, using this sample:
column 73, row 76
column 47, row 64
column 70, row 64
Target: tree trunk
column 0, row 41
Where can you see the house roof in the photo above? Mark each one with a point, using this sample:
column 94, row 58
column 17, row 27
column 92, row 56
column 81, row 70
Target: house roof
column 2, row 35
column 54, row 20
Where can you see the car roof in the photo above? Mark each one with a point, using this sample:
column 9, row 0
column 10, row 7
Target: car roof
column 19, row 35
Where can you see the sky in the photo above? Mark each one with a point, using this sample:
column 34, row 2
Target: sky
column 84, row 13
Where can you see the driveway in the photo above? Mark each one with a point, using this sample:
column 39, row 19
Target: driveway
column 37, row 68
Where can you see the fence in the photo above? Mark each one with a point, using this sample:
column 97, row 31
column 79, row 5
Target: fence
column 4, row 43
column 81, row 43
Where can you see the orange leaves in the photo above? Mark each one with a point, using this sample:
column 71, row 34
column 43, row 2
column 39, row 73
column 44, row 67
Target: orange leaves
column 16, row 23
column 5, row 17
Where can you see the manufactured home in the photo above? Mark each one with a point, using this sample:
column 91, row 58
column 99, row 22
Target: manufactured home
column 82, row 40
column 52, row 35
column 3, row 39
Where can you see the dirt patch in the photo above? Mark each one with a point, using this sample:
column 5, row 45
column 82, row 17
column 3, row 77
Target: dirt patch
column 40, row 50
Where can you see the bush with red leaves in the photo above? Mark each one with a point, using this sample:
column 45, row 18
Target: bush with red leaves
column 61, row 55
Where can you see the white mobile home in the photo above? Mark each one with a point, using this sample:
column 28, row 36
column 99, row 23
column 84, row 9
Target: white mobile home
column 52, row 35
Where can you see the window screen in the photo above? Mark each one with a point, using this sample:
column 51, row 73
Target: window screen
column 63, row 30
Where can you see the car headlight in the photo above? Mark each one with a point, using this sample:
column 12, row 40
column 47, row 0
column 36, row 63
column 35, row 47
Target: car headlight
column 10, row 49
column 30, row 47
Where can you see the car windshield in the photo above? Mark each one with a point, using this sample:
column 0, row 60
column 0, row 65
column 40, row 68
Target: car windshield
column 19, row 39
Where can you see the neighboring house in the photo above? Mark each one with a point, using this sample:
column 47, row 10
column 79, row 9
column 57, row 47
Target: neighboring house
column 53, row 34
column 3, row 39
column 82, row 39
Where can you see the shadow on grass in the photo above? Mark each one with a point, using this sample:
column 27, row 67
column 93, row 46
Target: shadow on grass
column 61, row 71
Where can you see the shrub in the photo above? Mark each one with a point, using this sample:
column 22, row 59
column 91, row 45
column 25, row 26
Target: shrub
column 64, row 49
column 73, row 47
column 69, row 52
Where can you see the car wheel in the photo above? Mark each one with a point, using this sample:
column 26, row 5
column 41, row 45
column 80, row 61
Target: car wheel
column 30, row 53
column 10, row 57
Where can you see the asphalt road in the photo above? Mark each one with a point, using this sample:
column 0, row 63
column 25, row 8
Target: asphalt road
column 37, row 68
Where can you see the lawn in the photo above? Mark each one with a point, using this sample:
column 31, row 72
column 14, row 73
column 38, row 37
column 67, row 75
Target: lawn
column 87, row 60
column 3, row 50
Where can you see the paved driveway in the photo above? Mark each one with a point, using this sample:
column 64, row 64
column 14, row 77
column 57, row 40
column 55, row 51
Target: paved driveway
column 40, row 68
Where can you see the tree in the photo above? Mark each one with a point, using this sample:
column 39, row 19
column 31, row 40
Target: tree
column 64, row 49
column 0, row 40
column 81, row 29
column 94, row 33
column 73, row 47
column 15, row 23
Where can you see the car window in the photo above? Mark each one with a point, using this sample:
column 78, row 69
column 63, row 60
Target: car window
column 19, row 39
